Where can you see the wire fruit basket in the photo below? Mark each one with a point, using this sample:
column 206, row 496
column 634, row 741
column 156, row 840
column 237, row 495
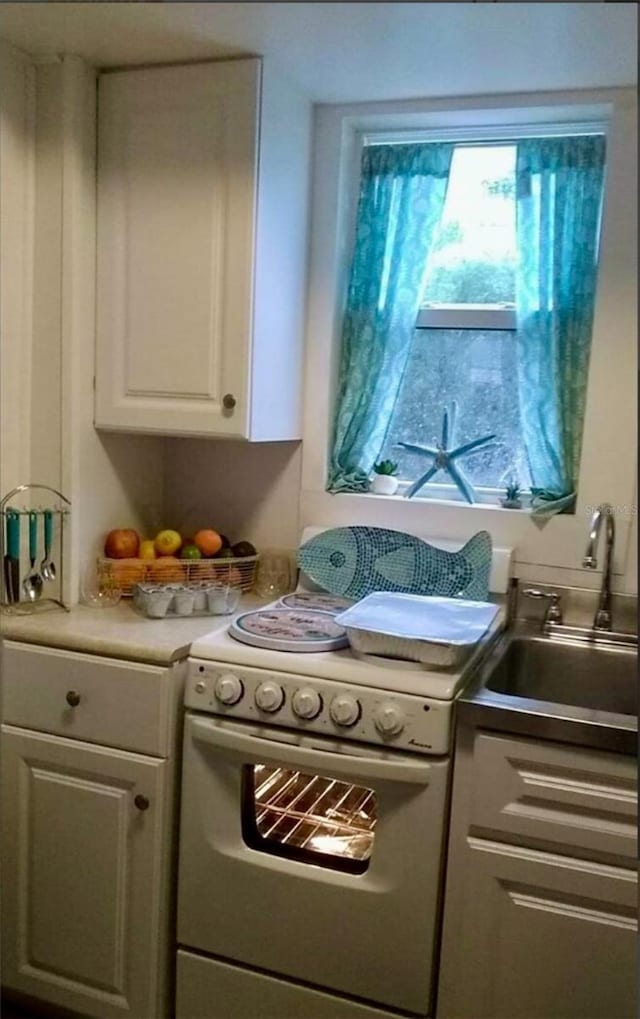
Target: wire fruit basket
column 126, row 573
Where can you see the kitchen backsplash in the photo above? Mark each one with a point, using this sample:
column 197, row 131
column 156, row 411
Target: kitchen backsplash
column 245, row 490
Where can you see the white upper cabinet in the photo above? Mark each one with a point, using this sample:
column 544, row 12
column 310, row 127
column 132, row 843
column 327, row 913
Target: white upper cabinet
column 202, row 242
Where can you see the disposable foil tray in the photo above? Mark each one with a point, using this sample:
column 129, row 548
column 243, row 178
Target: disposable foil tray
column 419, row 628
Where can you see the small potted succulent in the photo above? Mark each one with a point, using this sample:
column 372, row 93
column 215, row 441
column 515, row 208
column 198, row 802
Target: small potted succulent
column 384, row 481
column 512, row 496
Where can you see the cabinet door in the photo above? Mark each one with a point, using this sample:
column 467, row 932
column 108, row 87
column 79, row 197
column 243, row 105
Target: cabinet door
column 177, row 158
column 530, row 934
column 82, row 895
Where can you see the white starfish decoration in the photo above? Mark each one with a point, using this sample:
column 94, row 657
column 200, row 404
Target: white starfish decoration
column 444, row 457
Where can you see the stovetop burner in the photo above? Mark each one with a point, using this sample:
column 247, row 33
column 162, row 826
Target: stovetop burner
column 287, row 629
column 316, row 600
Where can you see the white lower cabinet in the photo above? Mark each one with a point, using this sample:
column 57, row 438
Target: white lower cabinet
column 81, row 903
column 541, row 936
column 87, row 834
column 548, row 929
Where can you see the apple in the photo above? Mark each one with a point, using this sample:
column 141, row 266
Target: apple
column 122, row 543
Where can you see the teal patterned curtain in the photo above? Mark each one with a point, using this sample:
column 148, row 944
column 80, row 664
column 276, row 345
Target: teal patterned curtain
column 558, row 211
column 402, row 192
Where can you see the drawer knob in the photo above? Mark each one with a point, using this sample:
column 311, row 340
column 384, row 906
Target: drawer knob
column 73, row 698
column 228, row 401
column 141, row 802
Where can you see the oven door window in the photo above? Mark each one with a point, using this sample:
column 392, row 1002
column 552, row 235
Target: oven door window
column 309, row 818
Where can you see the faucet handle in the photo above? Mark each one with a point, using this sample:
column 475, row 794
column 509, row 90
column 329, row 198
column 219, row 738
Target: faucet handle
column 554, row 611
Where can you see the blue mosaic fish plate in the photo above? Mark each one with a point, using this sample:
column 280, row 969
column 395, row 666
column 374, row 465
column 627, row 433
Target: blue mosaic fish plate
column 356, row 561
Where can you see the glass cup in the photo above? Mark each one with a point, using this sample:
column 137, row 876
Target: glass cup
column 274, row 577
column 98, row 586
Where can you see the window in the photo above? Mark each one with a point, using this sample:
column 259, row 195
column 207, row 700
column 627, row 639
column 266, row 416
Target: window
column 463, row 349
column 472, row 288
column 309, row 818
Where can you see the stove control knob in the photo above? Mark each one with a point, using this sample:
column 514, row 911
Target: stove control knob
column 269, row 696
column 345, row 710
column 228, row 689
column 388, row 719
column 306, row 703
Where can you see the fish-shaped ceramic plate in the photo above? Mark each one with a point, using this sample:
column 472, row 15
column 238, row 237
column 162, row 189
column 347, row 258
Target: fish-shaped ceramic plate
column 356, row 561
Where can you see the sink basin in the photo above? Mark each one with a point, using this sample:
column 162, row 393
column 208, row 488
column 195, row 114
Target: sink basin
column 575, row 687
column 595, row 678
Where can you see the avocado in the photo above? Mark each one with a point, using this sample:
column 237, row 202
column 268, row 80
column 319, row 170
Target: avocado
column 243, row 548
column 225, row 553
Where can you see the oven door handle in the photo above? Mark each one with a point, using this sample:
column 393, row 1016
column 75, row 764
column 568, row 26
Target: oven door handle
column 388, row 768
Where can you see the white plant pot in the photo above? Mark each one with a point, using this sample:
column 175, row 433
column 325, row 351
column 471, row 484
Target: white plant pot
column 384, row 484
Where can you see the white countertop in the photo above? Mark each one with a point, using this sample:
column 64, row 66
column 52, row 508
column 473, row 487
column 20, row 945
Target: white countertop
column 118, row 632
column 121, row 632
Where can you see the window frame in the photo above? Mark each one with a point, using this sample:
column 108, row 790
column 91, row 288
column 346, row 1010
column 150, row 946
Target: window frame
column 486, row 317
column 499, row 317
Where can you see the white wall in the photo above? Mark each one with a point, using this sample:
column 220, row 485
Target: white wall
column 17, row 139
column 246, row 491
column 551, row 551
column 47, row 270
column 263, row 493
column 46, row 348
column 115, row 480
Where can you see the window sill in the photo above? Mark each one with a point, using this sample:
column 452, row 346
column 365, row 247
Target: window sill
column 430, row 501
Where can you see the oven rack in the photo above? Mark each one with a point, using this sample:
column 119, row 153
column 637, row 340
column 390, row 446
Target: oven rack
column 296, row 809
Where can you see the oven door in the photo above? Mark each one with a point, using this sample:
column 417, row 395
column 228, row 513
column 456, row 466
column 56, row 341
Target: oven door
column 312, row 858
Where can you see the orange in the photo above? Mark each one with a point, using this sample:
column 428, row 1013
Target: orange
column 167, row 570
column 230, row 575
column 126, row 572
column 209, row 542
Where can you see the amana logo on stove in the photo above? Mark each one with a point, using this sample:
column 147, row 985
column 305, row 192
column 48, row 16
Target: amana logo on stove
column 417, row 743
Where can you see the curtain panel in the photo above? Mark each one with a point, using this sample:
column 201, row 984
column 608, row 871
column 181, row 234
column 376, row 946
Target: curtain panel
column 559, row 184
column 402, row 193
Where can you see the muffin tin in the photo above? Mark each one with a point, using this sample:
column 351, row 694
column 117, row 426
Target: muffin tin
column 201, row 598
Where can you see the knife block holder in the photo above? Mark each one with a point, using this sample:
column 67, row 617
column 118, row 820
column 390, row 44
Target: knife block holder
column 22, row 501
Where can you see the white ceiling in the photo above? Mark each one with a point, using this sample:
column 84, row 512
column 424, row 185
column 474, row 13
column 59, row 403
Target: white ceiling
column 343, row 52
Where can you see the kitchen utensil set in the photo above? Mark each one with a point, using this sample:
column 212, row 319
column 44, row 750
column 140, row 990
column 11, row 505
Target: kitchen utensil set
column 39, row 582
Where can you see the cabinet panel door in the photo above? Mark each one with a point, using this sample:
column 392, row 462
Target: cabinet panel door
column 81, row 907
column 177, row 156
column 585, row 800
column 532, row 934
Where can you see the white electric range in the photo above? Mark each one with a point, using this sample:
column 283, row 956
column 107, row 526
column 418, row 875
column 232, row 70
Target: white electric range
column 340, row 694
column 314, row 807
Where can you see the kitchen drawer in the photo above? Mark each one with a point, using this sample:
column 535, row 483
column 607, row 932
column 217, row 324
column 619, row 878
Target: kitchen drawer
column 119, row 704
column 212, row 989
column 582, row 801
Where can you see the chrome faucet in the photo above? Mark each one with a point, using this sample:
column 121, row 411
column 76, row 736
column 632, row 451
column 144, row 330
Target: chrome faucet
column 602, row 619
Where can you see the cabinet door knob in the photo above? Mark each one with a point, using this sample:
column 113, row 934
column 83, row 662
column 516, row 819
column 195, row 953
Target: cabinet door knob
column 228, row 401
column 141, row 802
column 73, row 698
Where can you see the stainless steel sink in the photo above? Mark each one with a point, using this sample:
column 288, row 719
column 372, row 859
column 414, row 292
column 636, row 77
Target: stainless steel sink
column 557, row 687
column 599, row 678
